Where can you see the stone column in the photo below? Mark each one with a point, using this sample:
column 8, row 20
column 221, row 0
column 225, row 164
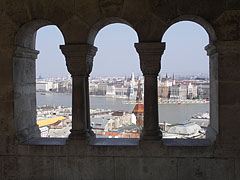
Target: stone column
column 212, row 130
column 150, row 62
column 79, row 60
column 24, row 76
column 227, row 74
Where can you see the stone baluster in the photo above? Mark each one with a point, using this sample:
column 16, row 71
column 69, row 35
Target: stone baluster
column 212, row 130
column 150, row 62
column 79, row 60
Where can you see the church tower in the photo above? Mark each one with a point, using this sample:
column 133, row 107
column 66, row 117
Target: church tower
column 139, row 108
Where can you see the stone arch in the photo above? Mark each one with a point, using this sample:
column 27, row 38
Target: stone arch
column 24, row 79
column 26, row 35
column 199, row 20
column 102, row 23
column 212, row 130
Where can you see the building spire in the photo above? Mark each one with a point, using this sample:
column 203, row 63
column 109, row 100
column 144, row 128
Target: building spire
column 139, row 109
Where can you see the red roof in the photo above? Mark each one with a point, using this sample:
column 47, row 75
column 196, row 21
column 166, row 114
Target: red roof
column 139, row 108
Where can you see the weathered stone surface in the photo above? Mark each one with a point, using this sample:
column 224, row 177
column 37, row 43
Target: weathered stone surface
column 7, row 30
column 169, row 10
column 233, row 4
column 6, row 77
column 229, row 124
column 85, row 9
column 6, row 93
column 39, row 167
column 55, row 11
column 228, row 60
column 87, row 168
column 8, row 145
column 205, row 169
column 227, row 26
column 111, row 7
column 145, row 168
column 189, row 168
column 221, row 169
column 237, row 167
column 9, row 168
column 21, row 11
column 6, row 118
column 60, row 11
column 229, row 93
column 75, row 30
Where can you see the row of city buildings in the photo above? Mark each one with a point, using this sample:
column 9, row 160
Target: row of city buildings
column 170, row 88
column 57, row 122
column 124, row 87
column 57, row 85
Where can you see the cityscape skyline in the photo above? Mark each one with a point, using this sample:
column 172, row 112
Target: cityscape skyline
column 177, row 76
column 116, row 56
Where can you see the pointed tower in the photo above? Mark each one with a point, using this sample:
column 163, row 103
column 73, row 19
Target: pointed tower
column 173, row 80
column 139, row 108
column 132, row 77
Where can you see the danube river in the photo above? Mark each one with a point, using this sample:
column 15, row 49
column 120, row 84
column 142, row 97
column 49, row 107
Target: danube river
column 170, row 113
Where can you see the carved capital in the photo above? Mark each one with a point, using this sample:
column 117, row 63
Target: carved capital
column 211, row 49
column 150, row 57
column 79, row 58
column 26, row 53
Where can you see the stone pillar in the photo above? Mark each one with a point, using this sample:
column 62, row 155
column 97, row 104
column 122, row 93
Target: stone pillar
column 150, row 62
column 212, row 130
column 79, row 60
column 24, row 76
column 227, row 74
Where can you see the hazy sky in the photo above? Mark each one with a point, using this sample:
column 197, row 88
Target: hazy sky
column 117, row 56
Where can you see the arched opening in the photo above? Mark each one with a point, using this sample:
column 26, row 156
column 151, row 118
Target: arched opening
column 53, row 85
column 24, row 74
column 184, row 82
column 115, row 83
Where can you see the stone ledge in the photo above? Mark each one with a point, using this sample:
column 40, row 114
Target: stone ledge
column 166, row 148
column 46, row 141
column 114, row 142
column 187, row 142
column 121, row 142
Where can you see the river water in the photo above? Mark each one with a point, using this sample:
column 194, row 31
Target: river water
column 170, row 113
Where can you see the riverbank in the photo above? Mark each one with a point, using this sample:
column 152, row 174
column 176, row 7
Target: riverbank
column 125, row 100
column 170, row 113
